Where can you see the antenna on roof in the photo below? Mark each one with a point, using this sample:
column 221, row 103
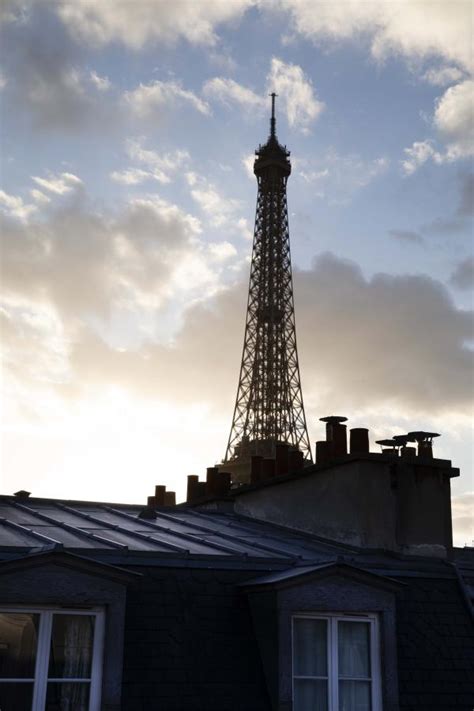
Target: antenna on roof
column 273, row 120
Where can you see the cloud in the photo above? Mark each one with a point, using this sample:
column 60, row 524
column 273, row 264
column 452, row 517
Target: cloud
column 466, row 204
column 14, row 206
column 229, row 92
column 406, row 236
column 151, row 99
column 463, row 275
column 217, row 207
column 418, row 154
column 454, row 120
column 301, row 104
column 59, row 184
column 442, row 76
column 100, row 83
column 141, row 22
column 337, row 177
column 160, row 167
column 463, row 520
column 133, row 176
column 48, row 84
column 39, row 197
column 414, row 30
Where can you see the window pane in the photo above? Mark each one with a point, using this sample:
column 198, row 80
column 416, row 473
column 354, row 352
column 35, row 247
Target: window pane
column 354, row 696
column 71, row 647
column 18, row 640
column 310, row 695
column 16, row 697
column 354, row 649
column 67, row 697
column 310, row 647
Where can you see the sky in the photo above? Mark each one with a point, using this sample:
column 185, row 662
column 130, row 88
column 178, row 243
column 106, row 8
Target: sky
column 127, row 203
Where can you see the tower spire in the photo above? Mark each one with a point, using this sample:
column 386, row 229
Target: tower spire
column 273, row 120
column 269, row 405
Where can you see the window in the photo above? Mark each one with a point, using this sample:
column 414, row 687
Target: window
column 50, row 660
column 336, row 663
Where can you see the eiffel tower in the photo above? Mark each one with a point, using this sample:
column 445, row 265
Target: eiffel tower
column 269, row 405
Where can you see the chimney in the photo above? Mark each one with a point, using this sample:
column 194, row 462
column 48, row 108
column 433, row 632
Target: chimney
column 323, row 451
column 223, row 481
column 336, row 434
column 359, row 440
column 424, row 441
column 160, row 495
column 192, row 492
column 256, row 469
column 212, row 481
column 295, row 461
column 281, row 458
column 170, row 498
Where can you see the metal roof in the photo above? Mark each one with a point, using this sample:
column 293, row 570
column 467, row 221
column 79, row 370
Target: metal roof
column 90, row 528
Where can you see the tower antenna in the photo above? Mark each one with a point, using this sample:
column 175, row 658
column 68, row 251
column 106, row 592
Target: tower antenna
column 273, row 120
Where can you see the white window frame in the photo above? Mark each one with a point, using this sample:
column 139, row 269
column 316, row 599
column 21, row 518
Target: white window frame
column 332, row 620
column 40, row 680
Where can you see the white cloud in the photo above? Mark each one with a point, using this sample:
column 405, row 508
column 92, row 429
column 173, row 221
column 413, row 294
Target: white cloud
column 3, row 81
column 132, row 176
column 161, row 165
column 415, row 29
column 442, row 76
column 14, row 206
column 141, row 21
column 39, row 197
column 149, row 99
column 100, row 83
column 297, row 92
column 219, row 209
column 222, row 251
column 247, row 162
column 229, row 92
column 454, row 119
column 59, row 184
column 418, row 154
column 336, row 177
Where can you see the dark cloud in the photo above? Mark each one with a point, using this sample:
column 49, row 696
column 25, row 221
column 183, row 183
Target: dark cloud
column 463, row 275
column 389, row 342
column 47, row 75
column 406, row 236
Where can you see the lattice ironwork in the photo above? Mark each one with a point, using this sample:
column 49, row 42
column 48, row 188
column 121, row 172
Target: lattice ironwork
column 269, row 405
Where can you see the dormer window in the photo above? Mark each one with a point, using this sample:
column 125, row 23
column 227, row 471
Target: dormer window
column 336, row 663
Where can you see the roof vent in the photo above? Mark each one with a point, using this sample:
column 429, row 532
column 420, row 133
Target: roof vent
column 22, row 494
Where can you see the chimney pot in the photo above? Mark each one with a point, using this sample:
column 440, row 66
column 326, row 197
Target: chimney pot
column 160, row 495
column 170, row 498
column 192, row 488
column 359, row 440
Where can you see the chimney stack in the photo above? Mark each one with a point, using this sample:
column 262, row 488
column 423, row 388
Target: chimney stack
column 336, row 434
column 281, row 458
column 359, row 440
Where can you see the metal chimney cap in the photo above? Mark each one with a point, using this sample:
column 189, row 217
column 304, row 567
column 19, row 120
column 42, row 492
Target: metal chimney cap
column 401, row 440
column 387, row 442
column 333, row 419
column 421, row 436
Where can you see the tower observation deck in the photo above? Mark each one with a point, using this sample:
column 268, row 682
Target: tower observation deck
column 269, row 405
